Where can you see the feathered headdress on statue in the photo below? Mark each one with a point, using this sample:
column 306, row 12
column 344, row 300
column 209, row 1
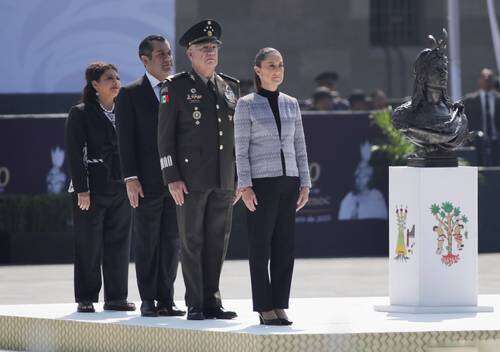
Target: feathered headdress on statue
column 431, row 70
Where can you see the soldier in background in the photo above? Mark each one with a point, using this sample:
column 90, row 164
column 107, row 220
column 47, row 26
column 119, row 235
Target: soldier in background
column 196, row 146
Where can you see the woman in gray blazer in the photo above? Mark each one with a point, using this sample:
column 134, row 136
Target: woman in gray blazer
column 274, row 181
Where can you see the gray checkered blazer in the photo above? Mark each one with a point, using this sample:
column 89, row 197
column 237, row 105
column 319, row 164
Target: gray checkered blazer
column 257, row 141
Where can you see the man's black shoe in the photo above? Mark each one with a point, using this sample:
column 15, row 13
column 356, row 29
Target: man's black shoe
column 148, row 309
column 85, row 307
column 121, row 306
column 170, row 310
column 219, row 313
column 195, row 314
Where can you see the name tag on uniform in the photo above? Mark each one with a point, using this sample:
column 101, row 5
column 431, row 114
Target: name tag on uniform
column 193, row 97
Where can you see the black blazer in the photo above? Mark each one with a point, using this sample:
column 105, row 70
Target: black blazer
column 137, row 123
column 92, row 150
column 474, row 111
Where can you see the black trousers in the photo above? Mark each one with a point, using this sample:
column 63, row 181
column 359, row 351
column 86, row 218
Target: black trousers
column 102, row 235
column 271, row 241
column 204, row 227
column 488, row 152
column 156, row 247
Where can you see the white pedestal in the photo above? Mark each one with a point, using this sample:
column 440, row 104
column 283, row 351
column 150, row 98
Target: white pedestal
column 433, row 240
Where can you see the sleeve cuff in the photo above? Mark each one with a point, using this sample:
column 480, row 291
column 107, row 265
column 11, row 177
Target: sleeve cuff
column 244, row 183
column 130, row 178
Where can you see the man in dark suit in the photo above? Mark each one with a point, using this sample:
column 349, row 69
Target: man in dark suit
column 196, row 145
column 483, row 112
column 154, row 218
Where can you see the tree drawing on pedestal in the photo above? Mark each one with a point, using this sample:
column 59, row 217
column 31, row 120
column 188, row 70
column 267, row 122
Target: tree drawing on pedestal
column 449, row 229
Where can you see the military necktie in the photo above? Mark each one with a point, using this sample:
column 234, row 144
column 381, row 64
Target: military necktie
column 211, row 89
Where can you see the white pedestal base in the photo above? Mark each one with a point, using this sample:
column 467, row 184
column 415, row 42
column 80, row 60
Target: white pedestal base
column 433, row 310
column 433, row 240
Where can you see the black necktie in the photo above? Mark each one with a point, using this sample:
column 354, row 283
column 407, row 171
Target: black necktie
column 211, row 89
column 487, row 109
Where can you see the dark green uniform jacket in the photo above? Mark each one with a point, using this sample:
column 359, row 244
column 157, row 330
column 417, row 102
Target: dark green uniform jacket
column 196, row 131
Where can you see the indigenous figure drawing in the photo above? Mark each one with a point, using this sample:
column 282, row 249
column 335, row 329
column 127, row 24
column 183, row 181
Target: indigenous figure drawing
column 406, row 238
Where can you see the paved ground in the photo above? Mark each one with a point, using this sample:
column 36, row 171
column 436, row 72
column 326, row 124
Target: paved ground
column 312, row 278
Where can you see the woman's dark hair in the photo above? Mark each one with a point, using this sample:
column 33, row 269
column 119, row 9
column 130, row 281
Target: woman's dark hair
column 93, row 73
column 261, row 56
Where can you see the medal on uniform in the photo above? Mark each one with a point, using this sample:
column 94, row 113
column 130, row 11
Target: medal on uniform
column 229, row 94
column 196, row 116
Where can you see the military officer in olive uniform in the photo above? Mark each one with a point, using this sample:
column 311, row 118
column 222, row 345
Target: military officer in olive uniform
column 196, row 146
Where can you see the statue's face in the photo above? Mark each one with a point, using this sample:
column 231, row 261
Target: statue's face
column 433, row 95
column 437, row 82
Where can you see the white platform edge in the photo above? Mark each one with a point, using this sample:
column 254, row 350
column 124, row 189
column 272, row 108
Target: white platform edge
column 433, row 310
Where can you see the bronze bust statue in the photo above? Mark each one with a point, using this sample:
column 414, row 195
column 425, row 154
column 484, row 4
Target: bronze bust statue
column 430, row 120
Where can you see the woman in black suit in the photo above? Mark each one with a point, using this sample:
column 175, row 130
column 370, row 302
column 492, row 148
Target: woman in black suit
column 101, row 209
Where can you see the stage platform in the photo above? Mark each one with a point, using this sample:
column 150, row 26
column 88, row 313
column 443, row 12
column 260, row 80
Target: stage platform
column 320, row 324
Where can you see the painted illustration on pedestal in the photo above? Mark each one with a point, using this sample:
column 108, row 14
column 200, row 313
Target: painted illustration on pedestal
column 450, row 231
column 406, row 238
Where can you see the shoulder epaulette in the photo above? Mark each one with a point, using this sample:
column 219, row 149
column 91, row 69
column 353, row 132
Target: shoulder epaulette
column 183, row 74
column 235, row 80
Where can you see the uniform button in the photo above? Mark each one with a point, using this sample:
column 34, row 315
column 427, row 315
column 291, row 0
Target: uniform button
column 217, row 106
column 220, row 120
column 220, row 133
column 186, row 160
column 221, row 147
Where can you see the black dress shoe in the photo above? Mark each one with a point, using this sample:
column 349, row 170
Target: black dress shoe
column 148, row 309
column 276, row 322
column 195, row 314
column 219, row 313
column 285, row 321
column 121, row 306
column 85, row 307
column 170, row 310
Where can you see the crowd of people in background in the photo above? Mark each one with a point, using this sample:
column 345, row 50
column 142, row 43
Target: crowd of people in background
column 327, row 97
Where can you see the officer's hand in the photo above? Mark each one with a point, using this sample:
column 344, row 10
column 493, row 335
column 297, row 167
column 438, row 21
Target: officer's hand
column 303, row 197
column 249, row 198
column 177, row 190
column 84, row 200
column 237, row 196
column 134, row 191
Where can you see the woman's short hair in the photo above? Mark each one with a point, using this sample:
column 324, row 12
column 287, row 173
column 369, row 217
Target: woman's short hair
column 93, row 73
column 262, row 54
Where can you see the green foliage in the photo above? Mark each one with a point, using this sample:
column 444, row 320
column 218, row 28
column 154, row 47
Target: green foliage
column 434, row 209
column 395, row 148
column 39, row 213
column 447, row 207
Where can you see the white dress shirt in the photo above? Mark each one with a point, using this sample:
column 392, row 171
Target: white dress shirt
column 155, row 83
